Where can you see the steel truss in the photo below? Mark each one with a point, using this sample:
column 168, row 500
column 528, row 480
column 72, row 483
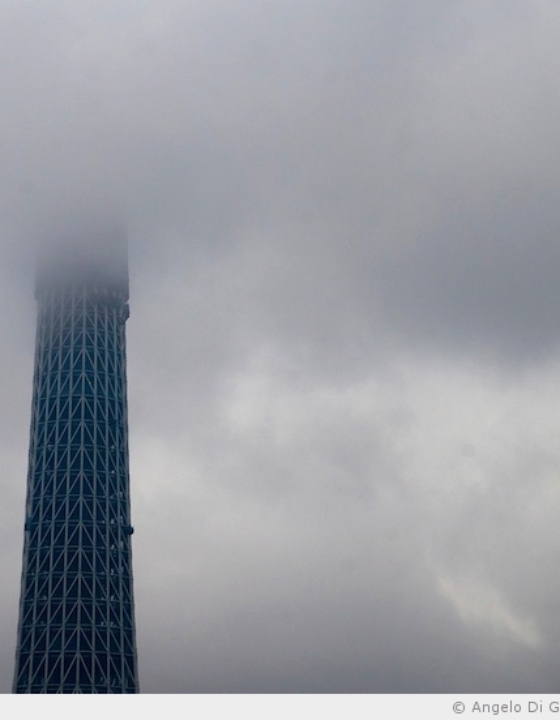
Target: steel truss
column 76, row 624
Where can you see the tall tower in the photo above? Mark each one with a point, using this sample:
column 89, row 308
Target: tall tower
column 76, row 620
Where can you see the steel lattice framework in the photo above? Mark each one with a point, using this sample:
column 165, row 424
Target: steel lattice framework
column 76, row 624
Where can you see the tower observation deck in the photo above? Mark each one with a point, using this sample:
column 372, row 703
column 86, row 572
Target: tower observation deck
column 76, row 629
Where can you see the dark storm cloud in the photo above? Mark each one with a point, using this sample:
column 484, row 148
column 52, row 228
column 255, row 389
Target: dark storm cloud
column 342, row 222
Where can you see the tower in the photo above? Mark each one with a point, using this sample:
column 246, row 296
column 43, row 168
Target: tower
column 76, row 620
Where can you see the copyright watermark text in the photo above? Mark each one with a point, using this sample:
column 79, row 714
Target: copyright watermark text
column 531, row 707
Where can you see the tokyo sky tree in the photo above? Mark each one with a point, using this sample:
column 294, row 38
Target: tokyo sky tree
column 76, row 620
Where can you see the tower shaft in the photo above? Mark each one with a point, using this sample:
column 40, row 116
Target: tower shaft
column 76, row 622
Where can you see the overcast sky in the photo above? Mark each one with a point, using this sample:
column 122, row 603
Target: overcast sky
column 344, row 343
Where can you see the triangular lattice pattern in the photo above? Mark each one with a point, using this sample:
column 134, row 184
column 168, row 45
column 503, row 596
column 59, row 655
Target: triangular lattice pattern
column 76, row 625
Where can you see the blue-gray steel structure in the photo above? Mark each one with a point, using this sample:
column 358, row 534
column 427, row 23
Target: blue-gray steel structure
column 76, row 629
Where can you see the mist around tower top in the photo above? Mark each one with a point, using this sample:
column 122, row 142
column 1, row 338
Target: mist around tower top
column 91, row 253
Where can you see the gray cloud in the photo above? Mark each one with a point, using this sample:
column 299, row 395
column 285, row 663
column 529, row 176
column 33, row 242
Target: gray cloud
column 343, row 348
